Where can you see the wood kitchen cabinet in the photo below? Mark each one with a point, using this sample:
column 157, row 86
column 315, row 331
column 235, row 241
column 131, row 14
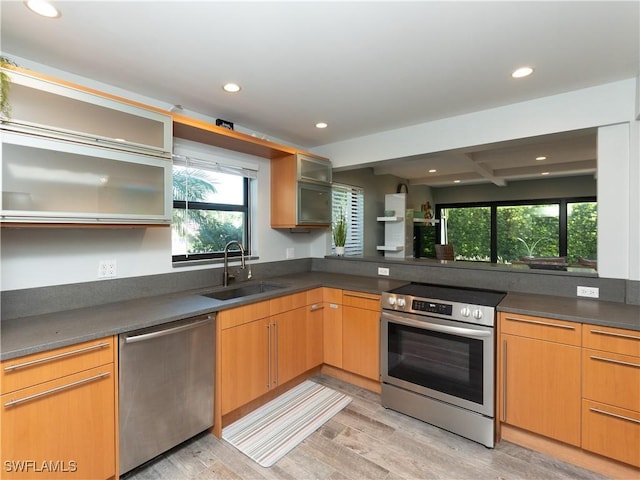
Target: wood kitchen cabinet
column 300, row 191
column 244, row 354
column 539, row 387
column 332, row 328
column 265, row 345
column 59, row 413
column 611, row 393
column 314, row 328
column 361, row 334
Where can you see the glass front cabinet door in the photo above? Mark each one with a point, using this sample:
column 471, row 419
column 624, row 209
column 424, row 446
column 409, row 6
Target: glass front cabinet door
column 72, row 156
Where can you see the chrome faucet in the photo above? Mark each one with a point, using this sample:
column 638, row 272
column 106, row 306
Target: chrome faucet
column 225, row 275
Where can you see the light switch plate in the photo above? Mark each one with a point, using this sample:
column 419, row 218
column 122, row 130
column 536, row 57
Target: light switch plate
column 383, row 271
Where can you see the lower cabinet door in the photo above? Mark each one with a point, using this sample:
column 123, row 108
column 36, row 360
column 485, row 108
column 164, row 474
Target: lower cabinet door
column 361, row 342
column 64, row 428
column 245, row 363
column 611, row 431
column 289, row 345
column 541, row 387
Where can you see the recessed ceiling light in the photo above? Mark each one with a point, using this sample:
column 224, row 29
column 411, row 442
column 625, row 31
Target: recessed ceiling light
column 544, row 173
column 42, row 7
column 456, row 181
column 432, row 170
column 522, row 72
column 541, row 158
column 321, row 125
column 231, row 87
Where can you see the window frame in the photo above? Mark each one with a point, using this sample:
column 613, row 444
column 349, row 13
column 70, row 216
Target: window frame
column 493, row 205
column 244, row 208
column 354, row 245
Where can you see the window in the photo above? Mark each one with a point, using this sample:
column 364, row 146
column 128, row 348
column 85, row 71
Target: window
column 210, row 208
column 348, row 200
column 502, row 232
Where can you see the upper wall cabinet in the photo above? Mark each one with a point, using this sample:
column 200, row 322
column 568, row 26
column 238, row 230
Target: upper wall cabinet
column 300, row 192
column 45, row 108
column 72, row 156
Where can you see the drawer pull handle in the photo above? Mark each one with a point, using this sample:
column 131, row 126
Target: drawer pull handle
column 538, row 322
column 621, row 417
column 316, row 306
column 97, row 346
column 362, row 295
column 613, row 334
column 57, row 389
column 611, row 360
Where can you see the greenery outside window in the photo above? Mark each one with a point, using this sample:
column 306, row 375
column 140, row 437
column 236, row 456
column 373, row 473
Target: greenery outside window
column 348, row 200
column 503, row 232
column 210, row 208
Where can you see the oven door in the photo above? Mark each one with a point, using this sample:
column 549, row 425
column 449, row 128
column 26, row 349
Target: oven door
column 442, row 359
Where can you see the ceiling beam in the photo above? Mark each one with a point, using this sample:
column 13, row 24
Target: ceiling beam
column 485, row 172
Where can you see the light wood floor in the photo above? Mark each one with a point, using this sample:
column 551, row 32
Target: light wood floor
column 363, row 441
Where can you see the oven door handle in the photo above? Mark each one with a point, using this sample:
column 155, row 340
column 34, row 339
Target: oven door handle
column 467, row 332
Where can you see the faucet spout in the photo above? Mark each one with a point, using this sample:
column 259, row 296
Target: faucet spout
column 225, row 275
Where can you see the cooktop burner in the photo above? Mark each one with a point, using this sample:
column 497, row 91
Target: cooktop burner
column 473, row 296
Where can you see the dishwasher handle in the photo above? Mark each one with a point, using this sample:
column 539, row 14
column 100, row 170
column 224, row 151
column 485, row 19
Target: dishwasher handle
column 168, row 331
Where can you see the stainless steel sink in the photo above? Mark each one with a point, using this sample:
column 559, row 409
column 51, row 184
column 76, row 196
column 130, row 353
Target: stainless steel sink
column 238, row 291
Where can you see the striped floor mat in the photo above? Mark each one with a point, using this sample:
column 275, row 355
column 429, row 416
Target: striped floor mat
column 268, row 433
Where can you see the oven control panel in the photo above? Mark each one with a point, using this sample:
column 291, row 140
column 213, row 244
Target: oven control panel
column 476, row 314
column 431, row 307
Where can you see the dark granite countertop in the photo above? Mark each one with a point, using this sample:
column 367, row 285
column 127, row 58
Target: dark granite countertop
column 25, row 335
column 583, row 310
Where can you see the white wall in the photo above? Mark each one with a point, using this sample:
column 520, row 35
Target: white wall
column 601, row 106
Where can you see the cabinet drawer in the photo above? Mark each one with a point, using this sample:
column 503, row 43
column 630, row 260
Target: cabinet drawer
column 314, row 296
column 287, row 302
column 541, row 328
column 68, row 423
column 625, row 342
column 241, row 315
column 332, row 295
column 611, row 378
column 612, row 432
column 40, row 367
column 368, row 301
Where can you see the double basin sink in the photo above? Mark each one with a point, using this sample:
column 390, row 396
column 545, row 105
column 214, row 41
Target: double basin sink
column 246, row 290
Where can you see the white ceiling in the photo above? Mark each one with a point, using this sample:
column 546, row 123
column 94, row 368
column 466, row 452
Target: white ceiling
column 362, row 67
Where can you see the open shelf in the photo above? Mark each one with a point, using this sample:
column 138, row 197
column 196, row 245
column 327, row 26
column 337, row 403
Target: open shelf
column 390, row 248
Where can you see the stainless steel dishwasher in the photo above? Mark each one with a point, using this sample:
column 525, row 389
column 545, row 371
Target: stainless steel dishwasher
column 165, row 387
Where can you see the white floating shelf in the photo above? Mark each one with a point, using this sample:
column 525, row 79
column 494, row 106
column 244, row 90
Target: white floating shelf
column 390, row 248
column 432, row 221
column 390, row 219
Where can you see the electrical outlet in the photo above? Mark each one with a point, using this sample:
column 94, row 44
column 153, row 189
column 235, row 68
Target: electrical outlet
column 591, row 292
column 107, row 269
column 290, row 253
column 383, row 271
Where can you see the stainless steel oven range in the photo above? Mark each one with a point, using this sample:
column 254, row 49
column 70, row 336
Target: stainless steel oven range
column 437, row 357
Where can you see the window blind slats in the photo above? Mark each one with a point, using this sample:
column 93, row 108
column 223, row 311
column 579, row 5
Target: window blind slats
column 348, row 200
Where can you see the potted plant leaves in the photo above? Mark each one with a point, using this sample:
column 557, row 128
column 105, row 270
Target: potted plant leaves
column 5, row 85
column 340, row 234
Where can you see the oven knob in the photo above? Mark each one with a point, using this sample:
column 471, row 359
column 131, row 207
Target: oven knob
column 465, row 312
column 392, row 301
column 401, row 302
column 477, row 314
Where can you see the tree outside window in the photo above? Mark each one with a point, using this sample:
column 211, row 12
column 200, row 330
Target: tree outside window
column 210, row 210
column 504, row 232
